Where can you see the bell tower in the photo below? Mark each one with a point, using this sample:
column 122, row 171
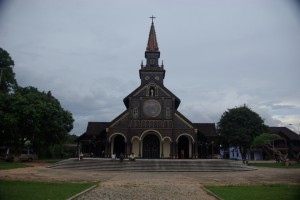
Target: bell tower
column 152, row 70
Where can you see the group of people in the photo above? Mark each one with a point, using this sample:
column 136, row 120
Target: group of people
column 121, row 157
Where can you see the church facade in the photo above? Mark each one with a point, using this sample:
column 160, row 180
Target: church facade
column 151, row 126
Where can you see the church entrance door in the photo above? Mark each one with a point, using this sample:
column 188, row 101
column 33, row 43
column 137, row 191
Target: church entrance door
column 183, row 147
column 151, row 146
column 119, row 145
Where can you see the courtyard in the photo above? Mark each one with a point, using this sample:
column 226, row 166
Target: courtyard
column 152, row 185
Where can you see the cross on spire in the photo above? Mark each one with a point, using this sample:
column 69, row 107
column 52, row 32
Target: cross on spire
column 152, row 18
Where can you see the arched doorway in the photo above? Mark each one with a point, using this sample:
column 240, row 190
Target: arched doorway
column 151, row 146
column 119, row 145
column 183, row 147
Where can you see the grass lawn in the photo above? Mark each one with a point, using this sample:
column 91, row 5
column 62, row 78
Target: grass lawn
column 250, row 192
column 24, row 190
column 275, row 165
column 12, row 165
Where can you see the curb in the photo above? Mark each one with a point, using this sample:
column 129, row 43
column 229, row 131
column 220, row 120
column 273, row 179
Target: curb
column 83, row 192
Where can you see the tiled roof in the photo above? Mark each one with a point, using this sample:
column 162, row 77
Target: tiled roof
column 285, row 131
column 94, row 129
column 208, row 129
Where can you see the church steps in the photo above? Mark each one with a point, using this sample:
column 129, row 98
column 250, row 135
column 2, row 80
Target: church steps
column 159, row 165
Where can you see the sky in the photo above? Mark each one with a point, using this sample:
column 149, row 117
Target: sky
column 217, row 54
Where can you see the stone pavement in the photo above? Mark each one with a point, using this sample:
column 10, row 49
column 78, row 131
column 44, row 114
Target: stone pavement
column 144, row 186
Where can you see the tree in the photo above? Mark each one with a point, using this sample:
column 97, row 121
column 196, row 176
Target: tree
column 239, row 126
column 28, row 115
column 35, row 117
column 264, row 140
column 7, row 84
column 7, row 76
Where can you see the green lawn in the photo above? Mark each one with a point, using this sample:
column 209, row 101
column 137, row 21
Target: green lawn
column 24, row 190
column 256, row 192
column 12, row 165
column 275, row 165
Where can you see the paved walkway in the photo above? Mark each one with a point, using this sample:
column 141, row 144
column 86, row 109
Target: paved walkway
column 144, row 186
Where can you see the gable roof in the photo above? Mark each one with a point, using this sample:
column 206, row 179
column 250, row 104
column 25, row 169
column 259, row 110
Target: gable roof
column 123, row 114
column 93, row 129
column 208, row 129
column 126, row 99
column 285, row 132
column 184, row 119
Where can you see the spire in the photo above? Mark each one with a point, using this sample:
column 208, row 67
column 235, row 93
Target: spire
column 152, row 41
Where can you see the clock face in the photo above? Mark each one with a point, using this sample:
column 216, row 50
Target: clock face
column 152, row 108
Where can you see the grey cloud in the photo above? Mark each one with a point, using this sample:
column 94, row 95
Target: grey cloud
column 216, row 55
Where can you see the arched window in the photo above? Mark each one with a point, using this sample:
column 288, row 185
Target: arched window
column 152, row 91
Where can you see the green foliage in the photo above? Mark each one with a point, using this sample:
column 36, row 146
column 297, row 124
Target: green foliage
column 71, row 139
column 263, row 140
column 37, row 117
column 7, row 76
column 24, row 190
column 28, row 115
column 250, row 192
column 55, row 151
column 239, row 126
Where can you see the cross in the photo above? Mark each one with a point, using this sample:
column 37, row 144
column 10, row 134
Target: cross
column 152, row 18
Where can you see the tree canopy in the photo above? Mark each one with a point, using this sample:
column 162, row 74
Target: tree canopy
column 35, row 116
column 28, row 115
column 239, row 126
column 264, row 140
column 7, row 76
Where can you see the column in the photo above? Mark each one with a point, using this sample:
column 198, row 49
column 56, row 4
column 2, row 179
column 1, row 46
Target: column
column 196, row 150
column 176, row 150
column 162, row 149
column 193, row 149
column 140, row 155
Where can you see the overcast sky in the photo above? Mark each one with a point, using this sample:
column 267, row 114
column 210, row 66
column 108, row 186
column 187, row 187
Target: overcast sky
column 217, row 54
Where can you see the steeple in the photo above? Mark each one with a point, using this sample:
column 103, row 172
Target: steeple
column 152, row 41
column 152, row 53
column 151, row 70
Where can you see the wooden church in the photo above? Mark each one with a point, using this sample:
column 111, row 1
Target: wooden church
column 151, row 126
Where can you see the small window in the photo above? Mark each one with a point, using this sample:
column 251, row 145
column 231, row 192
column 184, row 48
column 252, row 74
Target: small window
column 152, row 61
column 135, row 113
column 168, row 113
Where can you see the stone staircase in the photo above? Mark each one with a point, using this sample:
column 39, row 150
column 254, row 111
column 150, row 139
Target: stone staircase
column 152, row 165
